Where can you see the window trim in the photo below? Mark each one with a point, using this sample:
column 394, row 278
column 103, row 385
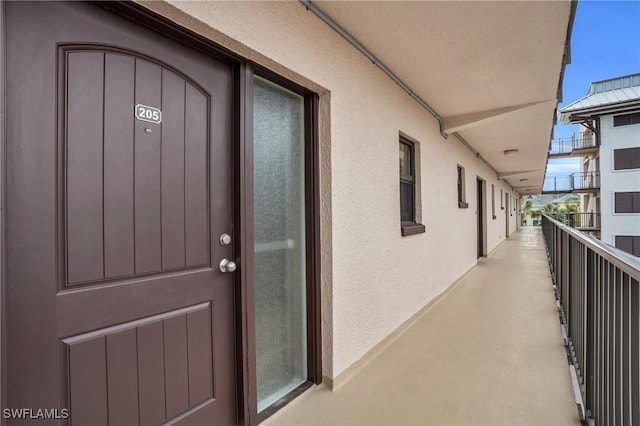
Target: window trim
column 411, row 227
column 634, row 118
column 632, row 168
column 461, row 187
column 633, row 240
column 615, row 202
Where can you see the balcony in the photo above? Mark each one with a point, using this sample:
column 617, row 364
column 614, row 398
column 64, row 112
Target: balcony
column 585, row 222
column 584, row 182
column 598, row 292
column 579, row 144
column 489, row 352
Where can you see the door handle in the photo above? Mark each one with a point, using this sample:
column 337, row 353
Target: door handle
column 227, row 265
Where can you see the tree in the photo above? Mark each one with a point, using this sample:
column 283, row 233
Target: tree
column 526, row 210
column 550, row 208
column 571, row 208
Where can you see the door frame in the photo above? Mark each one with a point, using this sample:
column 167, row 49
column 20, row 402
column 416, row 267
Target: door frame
column 481, row 208
column 507, row 205
column 3, row 322
column 243, row 71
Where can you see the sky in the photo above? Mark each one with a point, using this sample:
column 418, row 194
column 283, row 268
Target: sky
column 605, row 43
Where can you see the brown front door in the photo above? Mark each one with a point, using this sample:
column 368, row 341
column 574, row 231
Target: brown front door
column 119, row 186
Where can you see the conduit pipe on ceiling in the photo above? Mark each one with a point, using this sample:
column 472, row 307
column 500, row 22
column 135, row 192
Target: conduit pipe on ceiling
column 355, row 43
column 476, row 153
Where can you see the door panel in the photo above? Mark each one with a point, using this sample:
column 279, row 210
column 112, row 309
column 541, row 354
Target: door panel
column 152, row 217
column 114, row 308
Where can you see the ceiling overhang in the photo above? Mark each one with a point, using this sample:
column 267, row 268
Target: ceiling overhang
column 490, row 72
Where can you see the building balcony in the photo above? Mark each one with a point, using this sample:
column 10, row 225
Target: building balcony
column 584, row 182
column 585, row 222
column 578, row 145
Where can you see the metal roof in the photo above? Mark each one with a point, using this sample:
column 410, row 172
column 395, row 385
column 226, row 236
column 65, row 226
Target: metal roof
column 607, row 93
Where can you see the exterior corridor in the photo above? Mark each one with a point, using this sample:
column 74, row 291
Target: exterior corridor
column 489, row 352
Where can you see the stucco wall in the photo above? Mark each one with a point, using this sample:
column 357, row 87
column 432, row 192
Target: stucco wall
column 617, row 180
column 373, row 279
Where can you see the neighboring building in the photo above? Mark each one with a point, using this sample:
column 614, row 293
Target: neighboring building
column 540, row 202
column 211, row 206
column 609, row 144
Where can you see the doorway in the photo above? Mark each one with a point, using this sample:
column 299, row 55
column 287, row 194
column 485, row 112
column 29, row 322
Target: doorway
column 130, row 196
column 482, row 220
column 506, row 214
column 121, row 188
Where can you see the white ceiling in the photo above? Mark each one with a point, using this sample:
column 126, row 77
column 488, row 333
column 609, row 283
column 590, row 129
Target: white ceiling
column 490, row 69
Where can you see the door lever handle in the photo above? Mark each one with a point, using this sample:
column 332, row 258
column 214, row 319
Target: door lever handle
column 227, row 265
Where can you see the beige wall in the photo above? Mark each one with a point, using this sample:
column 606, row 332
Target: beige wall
column 373, row 279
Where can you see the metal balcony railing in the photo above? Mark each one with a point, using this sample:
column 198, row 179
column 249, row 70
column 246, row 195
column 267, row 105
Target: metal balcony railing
column 585, row 180
column 598, row 293
column 580, row 221
column 576, row 182
column 577, row 141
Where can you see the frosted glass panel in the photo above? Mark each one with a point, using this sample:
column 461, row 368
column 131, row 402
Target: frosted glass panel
column 281, row 340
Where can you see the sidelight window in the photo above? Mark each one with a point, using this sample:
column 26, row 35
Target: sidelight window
column 280, row 243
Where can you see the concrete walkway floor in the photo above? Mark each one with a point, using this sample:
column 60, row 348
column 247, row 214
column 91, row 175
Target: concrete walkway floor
column 489, row 353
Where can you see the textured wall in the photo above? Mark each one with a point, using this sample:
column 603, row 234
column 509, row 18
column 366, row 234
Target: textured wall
column 373, row 279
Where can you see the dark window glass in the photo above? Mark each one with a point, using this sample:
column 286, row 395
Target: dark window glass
column 629, row 243
column 627, row 202
column 461, row 188
column 407, row 182
column 626, row 119
column 460, row 182
column 627, row 158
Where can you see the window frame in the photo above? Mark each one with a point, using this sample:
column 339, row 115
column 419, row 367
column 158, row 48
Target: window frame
column 635, row 244
column 634, row 118
column 634, row 201
column 248, row 72
column 633, row 154
column 461, row 187
column 410, row 227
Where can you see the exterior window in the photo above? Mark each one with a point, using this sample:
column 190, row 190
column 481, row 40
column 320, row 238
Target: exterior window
column 627, row 158
column 627, row 202
column 493, row 201
column 461, row 189
column 626, row 119
column 629, row 243
column 408, row 223
column 501, row 201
